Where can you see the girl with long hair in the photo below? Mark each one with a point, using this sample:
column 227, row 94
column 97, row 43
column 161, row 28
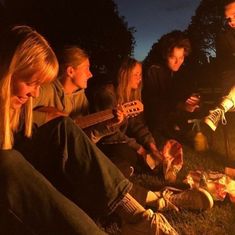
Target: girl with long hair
column 132, row 140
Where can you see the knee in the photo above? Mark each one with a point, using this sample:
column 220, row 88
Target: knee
column 11, row 162
column 67, row 125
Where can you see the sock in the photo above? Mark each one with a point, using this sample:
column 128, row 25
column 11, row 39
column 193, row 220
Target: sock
column 227, row 104
column 130, row 210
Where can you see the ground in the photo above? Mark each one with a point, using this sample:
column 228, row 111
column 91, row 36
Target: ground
column 220, row 220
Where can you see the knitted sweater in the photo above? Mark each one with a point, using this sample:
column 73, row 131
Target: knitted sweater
column 132, row 131
column 75, row 104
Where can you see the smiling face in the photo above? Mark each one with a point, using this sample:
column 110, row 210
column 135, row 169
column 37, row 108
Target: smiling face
column 80, row 74
column 22, row 89
column 136, row 77
column 229, row 14
column 176, row 59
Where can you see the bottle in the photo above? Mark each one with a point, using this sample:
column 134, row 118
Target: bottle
column 200, row 140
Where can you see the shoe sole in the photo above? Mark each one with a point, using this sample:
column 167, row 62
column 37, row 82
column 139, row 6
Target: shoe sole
column 208, row 197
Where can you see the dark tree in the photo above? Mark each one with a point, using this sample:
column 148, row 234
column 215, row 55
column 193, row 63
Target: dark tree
column 204, row 27
column 94, row 25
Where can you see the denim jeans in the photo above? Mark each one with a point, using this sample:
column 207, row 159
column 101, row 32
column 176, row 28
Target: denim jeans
column 74, row 165
column 29, row 204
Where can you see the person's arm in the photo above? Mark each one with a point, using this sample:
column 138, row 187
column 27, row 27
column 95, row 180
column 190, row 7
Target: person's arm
column 45, row 106
column 105, row 99
column 46, row 114
column 138, row 129
column 154, row 95
column 43, row 100
column 152, row 88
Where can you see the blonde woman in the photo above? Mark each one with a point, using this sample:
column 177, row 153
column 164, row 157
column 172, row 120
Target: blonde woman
column 130, row 144
column 27, row 199
column 60, row 151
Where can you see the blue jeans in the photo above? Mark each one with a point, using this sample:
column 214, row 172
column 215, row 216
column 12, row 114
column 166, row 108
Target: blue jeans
column 29, row 204
column 79, row 171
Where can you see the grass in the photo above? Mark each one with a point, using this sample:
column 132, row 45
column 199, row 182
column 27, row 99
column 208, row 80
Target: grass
column 220, row 220
column 217, row 221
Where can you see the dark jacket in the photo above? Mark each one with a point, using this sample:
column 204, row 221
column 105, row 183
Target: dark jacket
column 225, row 49
column 163, row 90
column 225, row 54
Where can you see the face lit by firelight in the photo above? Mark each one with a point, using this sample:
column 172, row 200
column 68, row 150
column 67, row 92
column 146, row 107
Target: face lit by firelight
column 175, row 59
column 23, row 88
column 136, row 76
column 229, row 14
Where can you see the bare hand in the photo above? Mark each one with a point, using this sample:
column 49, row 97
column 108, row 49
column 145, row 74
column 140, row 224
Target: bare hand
column 192, row 103
column 155, row 152
column 120, row 116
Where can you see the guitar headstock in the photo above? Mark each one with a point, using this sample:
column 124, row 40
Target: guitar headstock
column 132, row 108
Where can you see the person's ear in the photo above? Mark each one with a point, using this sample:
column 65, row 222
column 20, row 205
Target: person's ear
column 70, row 71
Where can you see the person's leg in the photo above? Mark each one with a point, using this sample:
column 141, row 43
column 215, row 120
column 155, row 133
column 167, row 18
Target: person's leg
column 231, row 96
column 74, row 165
column 218, row 114
column 68, row 158
column 29, row 199
column 122, row 155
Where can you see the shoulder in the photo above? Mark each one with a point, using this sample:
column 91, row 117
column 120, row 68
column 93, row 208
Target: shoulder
column 106, row 89
column 157, row 71
column 155, row 67
column 47, row 89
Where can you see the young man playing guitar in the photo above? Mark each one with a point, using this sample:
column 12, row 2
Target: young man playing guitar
column 66, row 96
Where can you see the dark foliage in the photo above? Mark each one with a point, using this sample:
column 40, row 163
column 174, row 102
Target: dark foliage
column 93, row 25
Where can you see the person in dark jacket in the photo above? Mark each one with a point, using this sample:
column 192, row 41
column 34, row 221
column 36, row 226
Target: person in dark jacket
column 225, row 53
column 167, row 94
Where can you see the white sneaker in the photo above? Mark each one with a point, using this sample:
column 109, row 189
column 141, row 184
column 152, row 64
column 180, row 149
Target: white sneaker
column 213, row 119
column 151, row 224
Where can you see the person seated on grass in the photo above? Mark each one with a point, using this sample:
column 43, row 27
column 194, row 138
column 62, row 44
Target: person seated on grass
column 168, row 96
column 66, row 95
column 132, row 142
column 225, row 50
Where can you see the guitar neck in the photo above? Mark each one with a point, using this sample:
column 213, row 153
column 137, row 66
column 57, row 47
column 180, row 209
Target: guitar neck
column 95, row 118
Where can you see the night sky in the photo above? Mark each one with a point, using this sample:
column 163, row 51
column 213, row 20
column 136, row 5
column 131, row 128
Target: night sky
column 153, row 18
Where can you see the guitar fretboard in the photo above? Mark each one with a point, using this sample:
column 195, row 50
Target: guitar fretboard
column 95, row 118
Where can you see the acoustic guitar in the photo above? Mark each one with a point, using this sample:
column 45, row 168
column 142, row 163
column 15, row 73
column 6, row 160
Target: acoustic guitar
column 129, row 109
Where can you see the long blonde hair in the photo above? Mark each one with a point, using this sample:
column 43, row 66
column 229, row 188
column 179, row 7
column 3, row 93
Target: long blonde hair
column 23, row 53
column 124, row 92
